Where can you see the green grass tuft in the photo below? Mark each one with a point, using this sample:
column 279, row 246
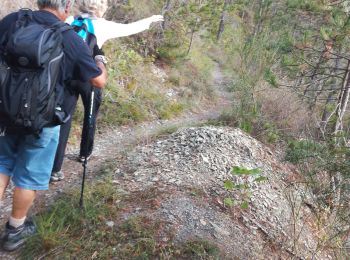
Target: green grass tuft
column 66, row 231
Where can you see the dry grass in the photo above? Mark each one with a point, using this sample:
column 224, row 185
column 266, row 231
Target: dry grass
column 286, row 110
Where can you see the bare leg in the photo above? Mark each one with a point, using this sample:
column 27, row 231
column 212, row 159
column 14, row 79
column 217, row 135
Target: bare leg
column 22, row 201
column 4, row 181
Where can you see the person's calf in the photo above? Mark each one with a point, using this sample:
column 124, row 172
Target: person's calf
column 4, row 181
column 22, row 201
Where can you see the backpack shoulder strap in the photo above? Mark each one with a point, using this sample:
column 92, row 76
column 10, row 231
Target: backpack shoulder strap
column 62, row 27
column 65, row 27
column 90, row 26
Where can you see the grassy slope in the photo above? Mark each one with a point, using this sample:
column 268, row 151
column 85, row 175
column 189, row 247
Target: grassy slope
column 101, row 230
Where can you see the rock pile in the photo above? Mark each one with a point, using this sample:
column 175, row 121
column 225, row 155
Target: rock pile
column 203, row 158
column 199, row 156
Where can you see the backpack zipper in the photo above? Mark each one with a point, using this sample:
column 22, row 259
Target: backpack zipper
column 26, row 105
column 49, row 69
column 23, row 114
column 40, row 44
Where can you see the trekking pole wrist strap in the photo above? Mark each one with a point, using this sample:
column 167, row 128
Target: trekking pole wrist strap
column 101, row 58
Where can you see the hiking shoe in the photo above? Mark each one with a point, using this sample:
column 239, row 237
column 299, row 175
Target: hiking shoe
column 16, row 237
column 57, row 176
column 81, row 158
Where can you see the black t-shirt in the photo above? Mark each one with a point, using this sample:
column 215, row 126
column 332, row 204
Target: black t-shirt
column 78, row 63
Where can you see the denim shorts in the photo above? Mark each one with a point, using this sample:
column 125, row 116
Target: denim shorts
column 28, row 159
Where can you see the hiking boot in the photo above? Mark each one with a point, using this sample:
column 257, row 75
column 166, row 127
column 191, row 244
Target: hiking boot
column 57, row 176
column 15, row 237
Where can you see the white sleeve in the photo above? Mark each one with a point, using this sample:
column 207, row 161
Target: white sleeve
column 106, row 30
column 69, row 20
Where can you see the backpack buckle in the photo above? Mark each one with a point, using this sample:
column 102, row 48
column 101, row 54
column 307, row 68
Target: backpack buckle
column 27, row 123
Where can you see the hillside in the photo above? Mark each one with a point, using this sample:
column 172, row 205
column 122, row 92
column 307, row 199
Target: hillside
column 223, row 134
column 154, row 194
column 176, row 187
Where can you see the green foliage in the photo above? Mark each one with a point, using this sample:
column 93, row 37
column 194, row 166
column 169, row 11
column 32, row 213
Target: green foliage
column 229, row 202
column 246, row 125
column 229, row 185
column 325, row 33
column 300, row 44
column 318, row 156
column 299, row 151
column 245, row 205
column 184, row 22
column 325, row 170
column 241, row 186
column 134, row 94
column 243, row 171
column 270, row 77
column 171, row 110
column 285, row 43
column 253, row 54
column 271, row 133
column 308, row 5
column 261, row 179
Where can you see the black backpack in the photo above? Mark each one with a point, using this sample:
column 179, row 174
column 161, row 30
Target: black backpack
column 30, row 65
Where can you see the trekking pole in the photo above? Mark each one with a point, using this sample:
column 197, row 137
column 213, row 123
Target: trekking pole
column 81, row 202
column 91, row 109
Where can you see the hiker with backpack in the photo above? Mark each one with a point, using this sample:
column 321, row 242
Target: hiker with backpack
column 39, row 54
column 89, row 26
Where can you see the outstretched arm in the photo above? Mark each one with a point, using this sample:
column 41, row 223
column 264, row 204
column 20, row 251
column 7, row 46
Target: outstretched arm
column 106, row 30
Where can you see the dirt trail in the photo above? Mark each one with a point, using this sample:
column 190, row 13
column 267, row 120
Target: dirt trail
column 115, row 140
column 112, row 142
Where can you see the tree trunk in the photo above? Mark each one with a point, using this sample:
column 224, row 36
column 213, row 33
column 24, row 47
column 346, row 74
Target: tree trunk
column 191, row 41
column 160, row 33
column 343, row 101
column 165, row 9
column 326, row 114
column 309, row 91
column 258, row 26
column 335, row 185
column 222, row 20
